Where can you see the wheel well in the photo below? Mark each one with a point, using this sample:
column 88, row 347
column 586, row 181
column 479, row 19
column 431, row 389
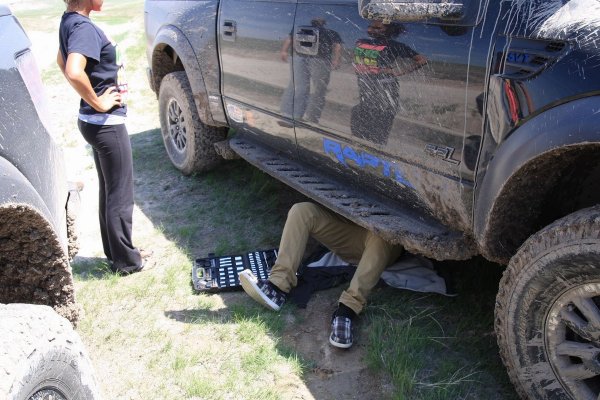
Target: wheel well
column 164, row 61
column 545, row 189
column 33, row 265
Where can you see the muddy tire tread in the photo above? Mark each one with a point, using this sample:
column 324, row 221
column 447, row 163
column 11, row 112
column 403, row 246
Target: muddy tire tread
column 72, row 213
column 581, row 225
column 28, row 331
column 34, row 266
column 204, row 156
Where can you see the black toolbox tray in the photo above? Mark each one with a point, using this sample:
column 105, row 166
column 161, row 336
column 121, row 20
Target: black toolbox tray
column 214, row 274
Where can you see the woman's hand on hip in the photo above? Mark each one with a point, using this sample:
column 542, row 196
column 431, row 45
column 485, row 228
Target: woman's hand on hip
column 109, row 99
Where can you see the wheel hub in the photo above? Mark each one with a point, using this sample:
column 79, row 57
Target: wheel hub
column 47, row 394
column 176, row 126
column 572, row 335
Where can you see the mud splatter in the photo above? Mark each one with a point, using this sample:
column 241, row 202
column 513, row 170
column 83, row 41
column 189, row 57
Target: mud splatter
column 391, row 10
column 575, row 20
column 33, row 265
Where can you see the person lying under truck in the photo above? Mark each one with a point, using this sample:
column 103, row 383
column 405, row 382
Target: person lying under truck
column 352, row 243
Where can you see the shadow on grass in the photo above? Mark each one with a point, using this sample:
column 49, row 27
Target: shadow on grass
column 91, row 268
column 231, row 209
column 252, row 321
column 234, row 313
column 437, row 347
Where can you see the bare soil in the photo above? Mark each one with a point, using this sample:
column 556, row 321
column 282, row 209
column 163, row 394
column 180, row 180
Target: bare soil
column 337, row 373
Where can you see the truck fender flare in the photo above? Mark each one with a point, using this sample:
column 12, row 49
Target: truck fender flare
column 175, row 38
column 16, row 189
column 575, row 123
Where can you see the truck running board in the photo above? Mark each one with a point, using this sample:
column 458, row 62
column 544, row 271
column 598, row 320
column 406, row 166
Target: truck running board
column 417, row 232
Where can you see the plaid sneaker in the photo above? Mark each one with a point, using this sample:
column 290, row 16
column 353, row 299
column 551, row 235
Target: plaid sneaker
column 341, row 332
column 262, row 291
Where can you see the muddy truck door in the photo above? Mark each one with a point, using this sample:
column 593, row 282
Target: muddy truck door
column 393, row 105
column 256, row 68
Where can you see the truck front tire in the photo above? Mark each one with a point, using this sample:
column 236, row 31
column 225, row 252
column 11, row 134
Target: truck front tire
column 189, row 142
column 41, row 357
column 548, row 311
column 73, row 207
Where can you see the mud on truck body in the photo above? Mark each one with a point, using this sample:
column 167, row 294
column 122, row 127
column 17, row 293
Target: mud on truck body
column 489, row 146
column 41, row 356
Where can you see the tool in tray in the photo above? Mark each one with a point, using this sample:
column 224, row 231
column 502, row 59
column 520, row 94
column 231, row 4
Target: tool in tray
column 213, row 274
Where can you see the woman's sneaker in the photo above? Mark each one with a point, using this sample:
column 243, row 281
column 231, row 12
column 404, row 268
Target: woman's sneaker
column 262, row 291
column 341, row 332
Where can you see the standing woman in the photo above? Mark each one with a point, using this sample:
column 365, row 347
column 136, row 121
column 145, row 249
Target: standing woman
column 89, row 61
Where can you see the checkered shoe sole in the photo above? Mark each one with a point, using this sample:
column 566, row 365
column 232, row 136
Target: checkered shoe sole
column 260, row 292
column 341, row 332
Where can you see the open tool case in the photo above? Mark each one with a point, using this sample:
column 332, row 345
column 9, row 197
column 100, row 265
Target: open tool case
column 213, row 274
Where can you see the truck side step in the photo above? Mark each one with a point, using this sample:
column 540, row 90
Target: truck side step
column 417, row 232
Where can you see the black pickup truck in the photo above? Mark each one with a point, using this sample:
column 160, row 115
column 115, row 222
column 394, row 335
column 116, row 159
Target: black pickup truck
column 454, row 128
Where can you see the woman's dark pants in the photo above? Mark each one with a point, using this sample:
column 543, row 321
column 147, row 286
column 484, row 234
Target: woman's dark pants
column 114, row 164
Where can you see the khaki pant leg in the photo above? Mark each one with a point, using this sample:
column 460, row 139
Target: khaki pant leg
column 339, row 235
column 377, row 255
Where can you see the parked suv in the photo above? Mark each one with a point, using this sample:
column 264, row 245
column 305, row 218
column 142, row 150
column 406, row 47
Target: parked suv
column 41, row 357
column 452, row 128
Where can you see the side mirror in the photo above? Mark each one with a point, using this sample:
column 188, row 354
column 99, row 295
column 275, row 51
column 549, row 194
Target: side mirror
column 410, row 11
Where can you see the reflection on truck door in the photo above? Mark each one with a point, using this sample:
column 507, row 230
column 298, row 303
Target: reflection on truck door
column 254, row 76
column 398, row 104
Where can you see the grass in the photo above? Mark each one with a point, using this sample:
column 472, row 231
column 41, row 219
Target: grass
column 203, row 335
column 435, row 347
column 152, row 337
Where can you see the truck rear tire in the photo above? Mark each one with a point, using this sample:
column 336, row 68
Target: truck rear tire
column 548, row 311
column 41, row 357
column 189, row 142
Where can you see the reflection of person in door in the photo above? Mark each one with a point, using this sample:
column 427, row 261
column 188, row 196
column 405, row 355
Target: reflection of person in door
column 379, row 61
column 311, row 73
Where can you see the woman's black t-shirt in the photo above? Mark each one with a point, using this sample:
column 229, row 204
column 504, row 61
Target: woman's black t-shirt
column 77, row 34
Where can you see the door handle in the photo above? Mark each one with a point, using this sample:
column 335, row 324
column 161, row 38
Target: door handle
column 229, row 30
column 306, row 40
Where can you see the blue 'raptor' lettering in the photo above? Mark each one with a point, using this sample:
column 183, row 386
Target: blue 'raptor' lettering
column 345, row 154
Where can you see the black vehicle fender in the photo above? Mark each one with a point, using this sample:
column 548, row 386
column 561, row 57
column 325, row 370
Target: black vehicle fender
column 501, row 212
column 171, row 44
column 15, row 188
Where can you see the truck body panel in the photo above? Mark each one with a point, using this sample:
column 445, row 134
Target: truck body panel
column 25, row 133
column 254, row 76
column 423, row 138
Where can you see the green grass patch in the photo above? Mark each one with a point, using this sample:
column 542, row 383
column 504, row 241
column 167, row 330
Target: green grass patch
column 41, row 16
column 432, row 347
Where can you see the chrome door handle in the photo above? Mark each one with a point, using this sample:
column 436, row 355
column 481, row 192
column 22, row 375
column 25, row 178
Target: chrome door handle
column 306, row 40
column 229, row 30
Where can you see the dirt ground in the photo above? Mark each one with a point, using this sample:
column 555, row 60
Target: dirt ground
column 334, row 374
